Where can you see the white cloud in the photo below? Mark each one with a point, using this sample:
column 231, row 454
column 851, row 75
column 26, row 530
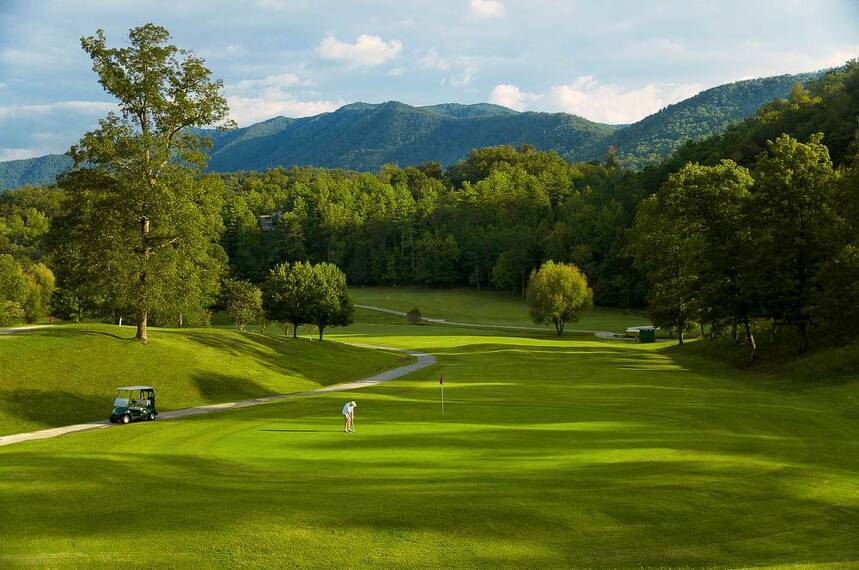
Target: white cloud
column 3, row 85
column 431, row 60
column 249, row 110
column 511, row 96
column 254, row 100
column 486, row 8
column 464, row 77
column 613, row 104
column 592, row 100
column 279, row 5
column 277, row 83
column 88, row 107
column 367, row 50
column 7, row 153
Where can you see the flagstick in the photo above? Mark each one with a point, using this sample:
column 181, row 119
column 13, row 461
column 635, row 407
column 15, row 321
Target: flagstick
column 442, row 399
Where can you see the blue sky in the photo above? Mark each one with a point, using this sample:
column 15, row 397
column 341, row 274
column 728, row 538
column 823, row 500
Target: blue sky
column 610, row 61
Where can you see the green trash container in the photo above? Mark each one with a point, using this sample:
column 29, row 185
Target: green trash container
column 647, row 334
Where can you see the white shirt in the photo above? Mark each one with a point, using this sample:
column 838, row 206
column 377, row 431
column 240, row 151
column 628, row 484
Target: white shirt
column 347, row 409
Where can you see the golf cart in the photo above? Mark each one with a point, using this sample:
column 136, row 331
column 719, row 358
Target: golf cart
column 133, row 403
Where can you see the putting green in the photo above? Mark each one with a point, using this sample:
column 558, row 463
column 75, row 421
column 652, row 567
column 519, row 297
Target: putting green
column 552, row 453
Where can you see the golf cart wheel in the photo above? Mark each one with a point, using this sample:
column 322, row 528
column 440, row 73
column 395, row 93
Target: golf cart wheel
column 126, row 419
column 151, row 416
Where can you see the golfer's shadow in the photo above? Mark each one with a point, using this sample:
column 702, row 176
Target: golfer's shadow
column 301, row 430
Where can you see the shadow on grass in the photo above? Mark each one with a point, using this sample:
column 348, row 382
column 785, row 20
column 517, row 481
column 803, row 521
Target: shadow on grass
column 53, row 408
column 216, row 388
column 65, row 332
column 640, row 511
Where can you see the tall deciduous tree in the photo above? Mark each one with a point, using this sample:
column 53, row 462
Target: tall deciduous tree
column 707, row 205
column 243, row 302
column 289, row 294
column 793, row 219
column 558, row 293
column 330, row 306
column 665, row 251
column 141, row 218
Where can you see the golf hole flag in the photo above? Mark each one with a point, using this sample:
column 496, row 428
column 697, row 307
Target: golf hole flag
column 441, row 385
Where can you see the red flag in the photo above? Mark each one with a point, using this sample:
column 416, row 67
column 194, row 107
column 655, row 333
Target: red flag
column 441, row 379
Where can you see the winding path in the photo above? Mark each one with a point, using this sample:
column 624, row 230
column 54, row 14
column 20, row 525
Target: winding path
column 423, row 361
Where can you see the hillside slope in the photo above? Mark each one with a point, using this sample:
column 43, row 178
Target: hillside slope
column 68, row 374
column 36, row 171
column 366, row 136
column 707, row 113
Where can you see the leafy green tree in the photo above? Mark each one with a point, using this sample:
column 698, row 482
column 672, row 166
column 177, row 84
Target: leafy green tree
column 793, row 221
column 707, row 206
column 289, row 294
column 67, row 306
column 13, row 290
column 666, row 253
column 558, row 293
column 243, row 302
column 40, row 288
column 330, row 305
column 141, row 217
column 437, row 259
column 414, row 317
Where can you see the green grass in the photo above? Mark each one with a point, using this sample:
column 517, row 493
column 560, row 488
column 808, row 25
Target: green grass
column 491, row 307
column 553, row 453
column 67, row 374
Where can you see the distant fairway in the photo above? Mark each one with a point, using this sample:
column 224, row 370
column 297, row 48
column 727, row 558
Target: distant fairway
column 67, row 374
column 552, row 454
column 492, row 307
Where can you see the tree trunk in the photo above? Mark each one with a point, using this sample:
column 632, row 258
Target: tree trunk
column 141, row 335
column 294, row 330
column 680, row 326
column 803, row 336
column 477, row 274
column 750, row 340
column 701, row 326
column 734, row 334
column 142, row 313
column 321, row 330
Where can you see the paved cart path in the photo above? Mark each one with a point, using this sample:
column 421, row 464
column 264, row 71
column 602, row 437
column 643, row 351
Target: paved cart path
column 602, row 334
column 423, row 360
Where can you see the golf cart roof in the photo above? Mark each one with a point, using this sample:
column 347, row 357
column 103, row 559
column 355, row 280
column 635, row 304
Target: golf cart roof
column 136, row 388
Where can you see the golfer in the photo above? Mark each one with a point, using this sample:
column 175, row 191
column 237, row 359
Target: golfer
column 349, row 416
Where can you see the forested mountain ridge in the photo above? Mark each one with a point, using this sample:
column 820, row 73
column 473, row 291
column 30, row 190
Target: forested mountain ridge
column 709, row 112
column 365, row 136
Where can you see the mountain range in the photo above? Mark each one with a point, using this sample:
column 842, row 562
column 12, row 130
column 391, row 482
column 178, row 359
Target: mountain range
column 364, row 136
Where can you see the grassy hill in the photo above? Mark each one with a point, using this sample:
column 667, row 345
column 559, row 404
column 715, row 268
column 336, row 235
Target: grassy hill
column 67, row 374
column 551, row 454
column 491, row 307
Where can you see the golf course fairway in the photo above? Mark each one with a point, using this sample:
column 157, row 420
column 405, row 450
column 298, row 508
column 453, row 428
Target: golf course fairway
column 552, row 453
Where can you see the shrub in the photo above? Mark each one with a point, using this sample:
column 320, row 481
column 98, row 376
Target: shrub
column 414, row 316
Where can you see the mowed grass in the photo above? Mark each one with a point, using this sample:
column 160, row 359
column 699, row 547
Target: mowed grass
column 490, row 307
column 67, row 374
column 553, row 453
